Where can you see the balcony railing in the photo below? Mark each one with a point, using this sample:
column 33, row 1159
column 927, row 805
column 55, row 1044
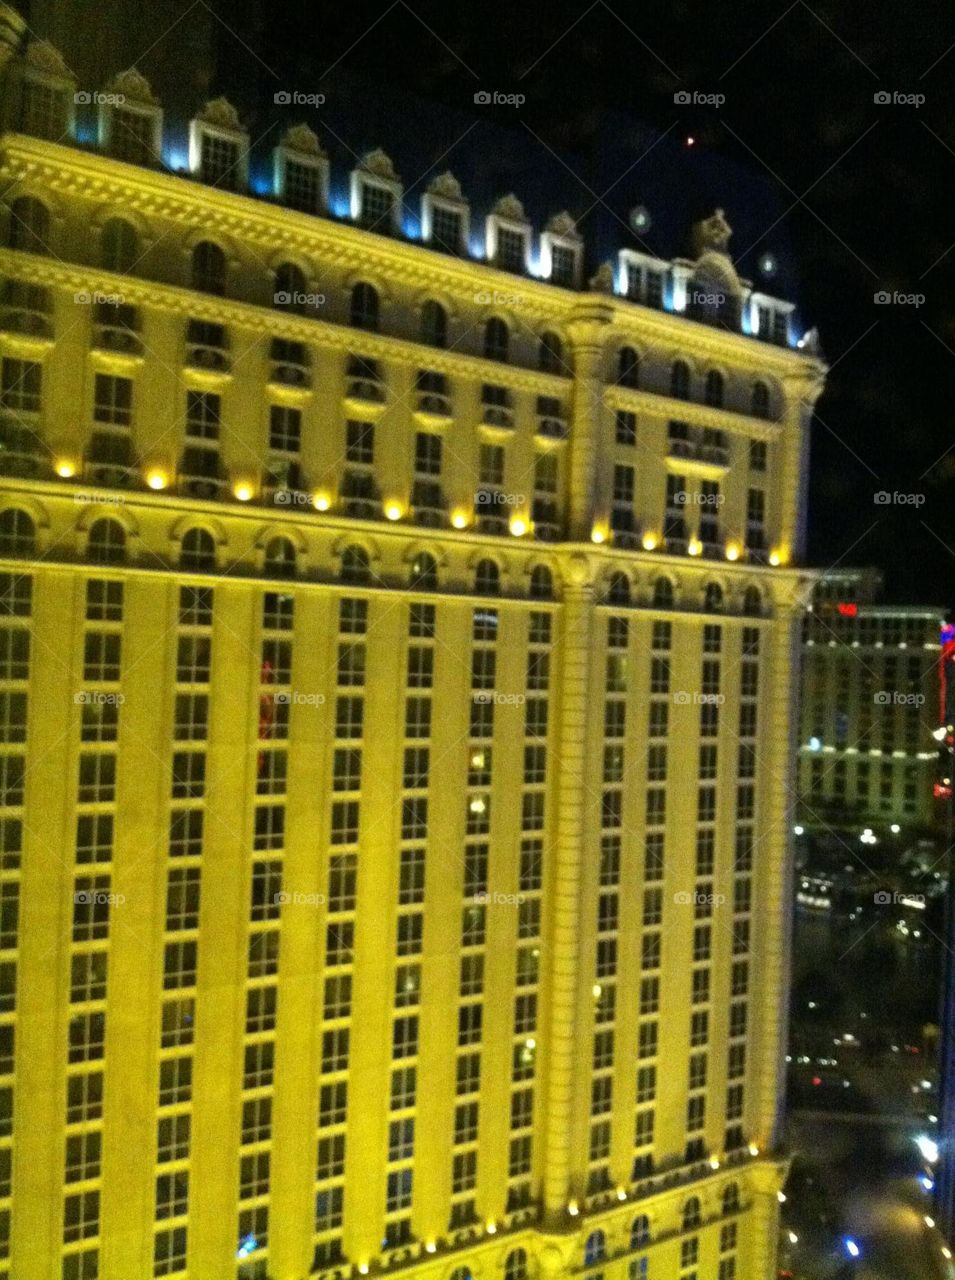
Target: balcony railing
column 202, row 355
column 22, row 450
column 290, row 373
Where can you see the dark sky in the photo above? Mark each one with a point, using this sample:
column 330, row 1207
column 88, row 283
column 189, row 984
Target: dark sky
column 865, row 189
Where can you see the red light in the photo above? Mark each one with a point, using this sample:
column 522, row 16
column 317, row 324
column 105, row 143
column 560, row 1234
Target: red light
column 941, row 792
column 848, row 610
column 817, row 1080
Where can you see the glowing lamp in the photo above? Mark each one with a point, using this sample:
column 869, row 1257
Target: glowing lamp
column 363, row 1268
column 156, row 480
column 573, row 1208
column 714, row 1163
column 320, row 502
column 598, row 536
column 597, row 990
column 66, row 469
column 492, row 1228
column 393, row 511
column 775, row 559
column 243, row 492
column 430, row 1247
column 518, row 527
column 929, row 1222
column 649, row 541
column 753, row 1149
column 793, row 1238
column 781, row 1197
column 732, row 551
column 695, row 547
column 459, row 520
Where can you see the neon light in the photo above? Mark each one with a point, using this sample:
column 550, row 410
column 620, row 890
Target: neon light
column 848, row 610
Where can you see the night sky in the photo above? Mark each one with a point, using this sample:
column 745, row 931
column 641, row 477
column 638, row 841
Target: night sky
column 852, row 196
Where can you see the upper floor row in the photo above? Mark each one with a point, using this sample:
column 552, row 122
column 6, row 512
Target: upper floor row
column 125, row 123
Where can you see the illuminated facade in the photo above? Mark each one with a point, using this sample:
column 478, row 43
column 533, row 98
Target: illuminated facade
column 363, row 602
column 869, row 706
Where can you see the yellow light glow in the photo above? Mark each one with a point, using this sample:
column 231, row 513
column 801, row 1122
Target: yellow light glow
column 157, row 480
column 477, row 805
column 714, row 1163
column 753, row 1149
column 598, row 536
column 66, row 469
column 793, row 1238
column 243, row 492
column 775, row 559
column 732, row 551
column 573, row 1208
column 491, row 1228
column 929, row 1222
column 459, row 520
column 430, row 1247
column 518, row 527
column 946, row 1252
column 781, row 1197
column 477, row 759
column 393, row 511
column 597, row 990
column 363, row 1268
column 320, row 502
column 530, row 1043
column 621, row 1193
column 649, row 541
column 695, row 547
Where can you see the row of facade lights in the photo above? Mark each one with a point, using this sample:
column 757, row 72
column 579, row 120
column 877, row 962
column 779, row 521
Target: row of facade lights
column 394, row 511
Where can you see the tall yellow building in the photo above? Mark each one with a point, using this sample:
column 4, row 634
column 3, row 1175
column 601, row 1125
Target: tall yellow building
column 396, row 688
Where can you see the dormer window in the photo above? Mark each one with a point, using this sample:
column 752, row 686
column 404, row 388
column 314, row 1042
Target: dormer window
column 47, row 93
column 769, row 319
column 445, row 215
column 643, row 278
column 219, row 147
column 130, row 120
column 301, row 171
column 376, row 193
column 561, row 251
column 508, row 235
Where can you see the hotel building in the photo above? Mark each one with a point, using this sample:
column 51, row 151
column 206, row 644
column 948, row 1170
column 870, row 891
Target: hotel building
column 870, row 705
column 397, row 667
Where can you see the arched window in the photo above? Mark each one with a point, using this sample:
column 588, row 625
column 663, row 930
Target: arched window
column 640, row 1231
column 17, row 532
column 550, row 354
column 714, row 389
column 487, row 578
column 208, row 267
column 434, row 324
column 760, row 402
column 731, row 1198
column 618, row 590
column 29, row 225
column 106, row 542
column 365, row 307
column 691, row 1214
column 515, row 1265
column 663, row 593
column 595, row 1248
column 119, row 246
column 424, row 572
column 753, row 602
column 542, row 583
column 628, row 368
column 356, row 566
column 497, row 339
column 198, row 550
column 281, row 558
column 680, row 380
column 291, row 287
column 713, row 597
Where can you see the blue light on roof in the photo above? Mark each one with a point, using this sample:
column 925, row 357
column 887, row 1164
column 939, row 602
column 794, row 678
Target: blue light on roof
column 411, row 226
column 173, row 158
column 476, row 247
column 262, row 186
column 340, row 203
column 247, row 1246
column 86, row 133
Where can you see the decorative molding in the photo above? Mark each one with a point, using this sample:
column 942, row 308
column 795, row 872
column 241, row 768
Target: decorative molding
column 134, row 87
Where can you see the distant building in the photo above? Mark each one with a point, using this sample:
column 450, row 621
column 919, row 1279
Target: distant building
column 396, row 680
column 945, row 1188
column 869, row 706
